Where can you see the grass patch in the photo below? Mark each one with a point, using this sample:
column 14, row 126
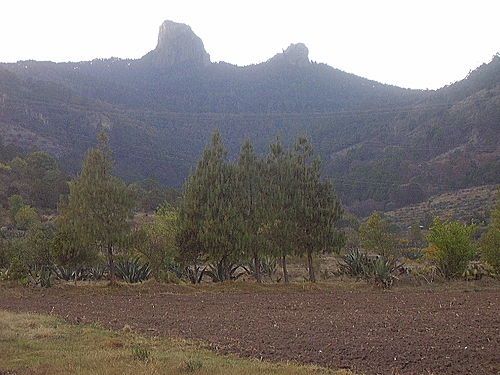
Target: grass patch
column 38, row 344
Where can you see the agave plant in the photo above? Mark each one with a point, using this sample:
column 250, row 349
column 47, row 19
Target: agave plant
column 268, row 265
column 68, row 273
column 382, row 271
column 195, row 273
column 355, row 263
column 97, row 272
column 132, row 271
column 223, row 271
column 41, row 276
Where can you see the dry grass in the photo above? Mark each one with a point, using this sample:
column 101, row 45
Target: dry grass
column 37, row 344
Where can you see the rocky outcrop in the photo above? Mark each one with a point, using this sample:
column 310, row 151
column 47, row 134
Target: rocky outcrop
column 296, row 54
column 178, row 45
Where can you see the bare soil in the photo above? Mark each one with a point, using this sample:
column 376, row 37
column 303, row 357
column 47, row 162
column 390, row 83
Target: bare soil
column 406, row 331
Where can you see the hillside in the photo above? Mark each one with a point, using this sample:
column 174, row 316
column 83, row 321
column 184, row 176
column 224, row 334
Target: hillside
column 467, row 205
column 385, row 147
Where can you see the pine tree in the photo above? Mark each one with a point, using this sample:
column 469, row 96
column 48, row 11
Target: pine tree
column 280, row 223
column 250, row 204
column 209, row 218
column 316, row 207
column 99, row 205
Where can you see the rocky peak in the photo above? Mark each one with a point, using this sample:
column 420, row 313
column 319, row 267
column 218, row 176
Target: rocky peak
column 178, row 45
column 296, row 54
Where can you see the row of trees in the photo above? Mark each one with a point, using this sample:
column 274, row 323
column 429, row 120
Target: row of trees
column 257, row 207
column 250, row 212
column 230, row 213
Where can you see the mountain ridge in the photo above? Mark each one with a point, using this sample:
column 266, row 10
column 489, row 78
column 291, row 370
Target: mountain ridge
column 384, row 146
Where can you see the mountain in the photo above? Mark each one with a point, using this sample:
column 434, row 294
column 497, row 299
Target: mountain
column 384, row 146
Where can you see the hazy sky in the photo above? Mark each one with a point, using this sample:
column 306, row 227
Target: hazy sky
column 410, row 43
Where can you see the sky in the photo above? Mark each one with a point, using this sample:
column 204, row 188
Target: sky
column 410, row 43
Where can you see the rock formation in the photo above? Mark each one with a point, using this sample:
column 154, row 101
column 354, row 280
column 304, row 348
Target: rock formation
column 296, row 54
column 178, row 45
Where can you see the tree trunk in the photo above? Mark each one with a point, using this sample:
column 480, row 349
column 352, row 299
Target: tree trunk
column 285, row 272
column 312, row 276
column 256, row 262
column 111, row 265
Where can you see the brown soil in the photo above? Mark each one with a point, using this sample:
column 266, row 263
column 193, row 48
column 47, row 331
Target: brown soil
column 368, row 331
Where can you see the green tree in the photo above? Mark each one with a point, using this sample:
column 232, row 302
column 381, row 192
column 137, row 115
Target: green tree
column 250, row 203
column 15, row 203
column 47, row 182
column 99, row 205
column 209, row 218
column 376, row 236
column 279, row 223
column 157, row 240
column 451, row 246
column 317, row 208
column 490, row 242
column 26, row 217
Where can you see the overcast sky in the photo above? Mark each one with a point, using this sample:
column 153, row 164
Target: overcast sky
column 417, row 44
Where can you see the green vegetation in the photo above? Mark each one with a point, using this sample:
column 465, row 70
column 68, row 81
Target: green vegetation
column 451, row 246
column 99, row 206
column 258, row 217
column 490, row 242
column 47, row 345
column 229, row 212
column 384, row 147
column 376, row 236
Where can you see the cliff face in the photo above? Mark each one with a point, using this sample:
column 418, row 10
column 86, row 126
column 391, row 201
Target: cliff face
column 177, row 45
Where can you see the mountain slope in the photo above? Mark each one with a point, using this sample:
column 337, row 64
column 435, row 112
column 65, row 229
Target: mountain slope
column 385, row 147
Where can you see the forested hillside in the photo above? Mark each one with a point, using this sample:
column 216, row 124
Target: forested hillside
column 384, row 146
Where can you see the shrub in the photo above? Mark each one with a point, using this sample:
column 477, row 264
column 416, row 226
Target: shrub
column 451, row 247
column 490, row 242
column 16, row 202
column 26, row 217
column 377, row 237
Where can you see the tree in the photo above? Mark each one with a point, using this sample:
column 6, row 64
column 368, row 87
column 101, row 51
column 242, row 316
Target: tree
column 317, row 208
column 490, row 242
column 15, row 203
column 451, row 246
column 99, row 205
column 249, row 201
column 47, row 182
column 26, row 217
column 279, row 223
column 209, row 218
column 157, row 240
column 376, row 236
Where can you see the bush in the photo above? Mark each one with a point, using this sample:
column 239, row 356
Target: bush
column 26, row 217
column 451, row 247
column 490, row 242
column 377, row 237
